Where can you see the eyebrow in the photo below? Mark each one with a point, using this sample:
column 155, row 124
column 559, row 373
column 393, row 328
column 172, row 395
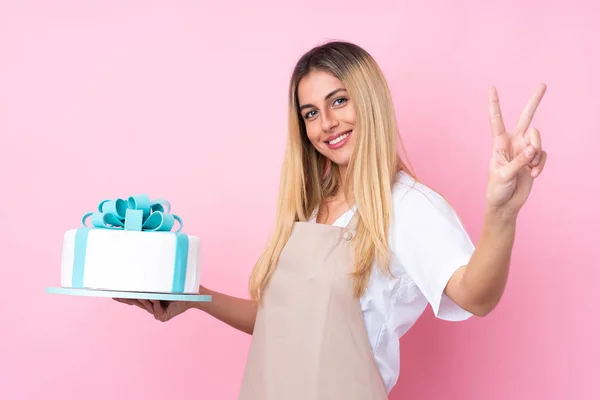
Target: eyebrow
column 326, row 97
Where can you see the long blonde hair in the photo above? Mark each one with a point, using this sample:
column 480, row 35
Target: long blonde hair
column 308, row 178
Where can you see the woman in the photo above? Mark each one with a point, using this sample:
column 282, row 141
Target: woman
column 360, row 247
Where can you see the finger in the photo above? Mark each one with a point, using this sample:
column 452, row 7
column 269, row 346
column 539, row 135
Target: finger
column 536, row 171
column 131, row 302
column 156, row 307
column 160, row 313
column 510, row 170
column 530, row 108
column 496, row 120
column 147, row 306
column 534, row 139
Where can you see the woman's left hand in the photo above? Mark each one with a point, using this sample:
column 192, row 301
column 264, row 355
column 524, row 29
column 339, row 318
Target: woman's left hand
column 517, row 157
column 161, row 310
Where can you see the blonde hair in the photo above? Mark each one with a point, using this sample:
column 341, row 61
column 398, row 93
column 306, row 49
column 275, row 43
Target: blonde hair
column 307, row 177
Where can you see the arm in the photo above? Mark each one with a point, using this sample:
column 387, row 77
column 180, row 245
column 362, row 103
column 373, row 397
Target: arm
column 235, row 312
column 517, row 160
column 478, row 286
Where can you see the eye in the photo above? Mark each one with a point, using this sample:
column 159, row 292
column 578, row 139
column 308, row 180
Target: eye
column 309, row 114
column 340, row 101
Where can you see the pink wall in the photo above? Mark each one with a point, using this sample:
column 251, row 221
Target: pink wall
column 178, row 101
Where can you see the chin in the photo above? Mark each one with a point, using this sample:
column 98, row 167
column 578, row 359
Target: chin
column 342, row 160
column 340, row 157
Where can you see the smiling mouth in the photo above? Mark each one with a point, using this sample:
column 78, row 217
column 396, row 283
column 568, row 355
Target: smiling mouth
column 339, row 139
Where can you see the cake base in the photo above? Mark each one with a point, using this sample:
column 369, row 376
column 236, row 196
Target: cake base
column 129, row 295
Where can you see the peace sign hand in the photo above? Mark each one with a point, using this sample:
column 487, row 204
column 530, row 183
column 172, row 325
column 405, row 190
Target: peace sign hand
column 517, row 157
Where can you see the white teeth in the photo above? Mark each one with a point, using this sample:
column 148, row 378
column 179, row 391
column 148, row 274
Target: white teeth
column 339, row 138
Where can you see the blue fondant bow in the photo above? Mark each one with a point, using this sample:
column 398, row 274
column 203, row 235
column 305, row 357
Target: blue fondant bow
column 137, row 213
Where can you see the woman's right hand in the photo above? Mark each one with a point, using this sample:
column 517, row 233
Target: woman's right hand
column 161, row 310
column 234, row 311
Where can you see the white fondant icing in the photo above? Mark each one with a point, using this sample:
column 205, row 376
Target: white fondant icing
column 130, row 261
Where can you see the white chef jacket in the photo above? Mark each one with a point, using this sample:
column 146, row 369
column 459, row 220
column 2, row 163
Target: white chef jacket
column 428, row 244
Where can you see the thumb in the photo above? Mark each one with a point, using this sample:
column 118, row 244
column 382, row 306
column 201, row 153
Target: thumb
column 511, row 169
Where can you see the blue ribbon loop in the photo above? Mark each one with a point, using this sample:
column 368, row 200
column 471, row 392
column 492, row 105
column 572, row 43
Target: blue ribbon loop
column 137, row 213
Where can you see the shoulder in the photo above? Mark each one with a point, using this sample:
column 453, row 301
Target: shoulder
column 410, row 196
column 422, row 218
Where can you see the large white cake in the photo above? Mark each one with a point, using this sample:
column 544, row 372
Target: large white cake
column 131, row 247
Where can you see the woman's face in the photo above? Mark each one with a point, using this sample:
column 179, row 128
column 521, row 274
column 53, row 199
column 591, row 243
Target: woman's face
column 328, row 115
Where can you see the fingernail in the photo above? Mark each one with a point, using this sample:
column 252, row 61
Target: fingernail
column 529, row 151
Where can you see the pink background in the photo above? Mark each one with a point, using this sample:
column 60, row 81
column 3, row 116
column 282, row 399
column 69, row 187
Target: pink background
column 188, row 101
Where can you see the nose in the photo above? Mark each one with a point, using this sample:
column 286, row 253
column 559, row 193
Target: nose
column 328, row 121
